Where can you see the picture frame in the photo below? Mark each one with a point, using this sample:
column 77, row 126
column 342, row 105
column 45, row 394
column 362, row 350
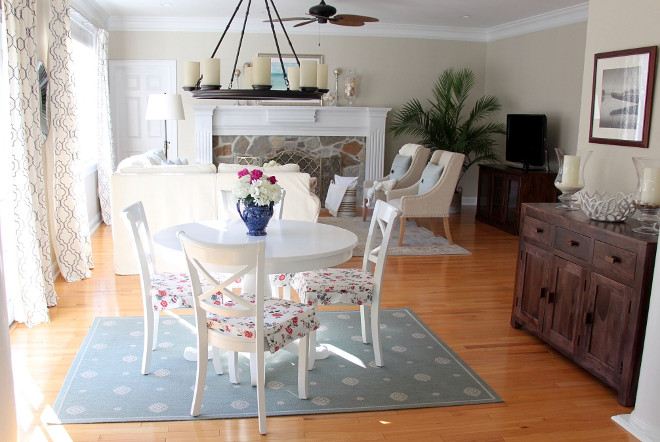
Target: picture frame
column 622, row 97
column 277, row 77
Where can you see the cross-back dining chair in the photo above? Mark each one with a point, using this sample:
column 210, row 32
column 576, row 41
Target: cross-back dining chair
column 245, row 322
column 361, row 287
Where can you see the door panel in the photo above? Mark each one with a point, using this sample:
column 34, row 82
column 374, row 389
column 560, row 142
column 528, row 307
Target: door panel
column 131, row 83
column 531, row 286
column 564, row 304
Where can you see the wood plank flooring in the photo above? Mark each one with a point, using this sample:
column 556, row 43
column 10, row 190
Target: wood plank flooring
column 465, row 300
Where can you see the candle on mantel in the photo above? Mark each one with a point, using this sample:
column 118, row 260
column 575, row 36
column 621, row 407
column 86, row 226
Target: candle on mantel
column 293, row 73
column 651, row 186
column 571, row 171
column 308, row 73
column 322, row 76
column 248, row 77
column 261, row 71
column 211, row 72
column 190, row 73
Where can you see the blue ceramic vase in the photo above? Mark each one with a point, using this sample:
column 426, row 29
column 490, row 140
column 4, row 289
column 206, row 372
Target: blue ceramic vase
column 255, row 217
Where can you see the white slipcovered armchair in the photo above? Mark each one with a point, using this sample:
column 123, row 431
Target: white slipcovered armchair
column 405, row 172
column 430, row 197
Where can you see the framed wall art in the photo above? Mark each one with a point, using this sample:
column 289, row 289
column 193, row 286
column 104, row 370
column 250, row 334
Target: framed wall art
column 277, row 77
column 622, row 97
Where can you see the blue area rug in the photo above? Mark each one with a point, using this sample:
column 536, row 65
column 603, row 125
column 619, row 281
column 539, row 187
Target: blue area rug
column 104, row 383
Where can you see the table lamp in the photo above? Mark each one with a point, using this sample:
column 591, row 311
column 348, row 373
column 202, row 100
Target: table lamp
column 165, row 107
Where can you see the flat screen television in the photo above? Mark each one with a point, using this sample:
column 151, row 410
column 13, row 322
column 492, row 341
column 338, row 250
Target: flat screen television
column 525, row 139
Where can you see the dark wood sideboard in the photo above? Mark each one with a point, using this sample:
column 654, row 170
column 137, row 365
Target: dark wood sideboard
column 502, row 189
column 583, row 287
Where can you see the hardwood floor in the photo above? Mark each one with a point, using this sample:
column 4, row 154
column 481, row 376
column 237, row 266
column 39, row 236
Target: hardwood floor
column 465, row 300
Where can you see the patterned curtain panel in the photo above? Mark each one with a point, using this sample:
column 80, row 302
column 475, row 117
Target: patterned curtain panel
column 106, row 161
column 28, row 186
column 72, row 243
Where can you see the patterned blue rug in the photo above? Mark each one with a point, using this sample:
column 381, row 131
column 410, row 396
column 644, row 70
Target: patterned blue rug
column 104, row 383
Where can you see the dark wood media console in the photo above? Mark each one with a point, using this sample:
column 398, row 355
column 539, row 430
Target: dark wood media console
column 502, row 189
column 583, row 287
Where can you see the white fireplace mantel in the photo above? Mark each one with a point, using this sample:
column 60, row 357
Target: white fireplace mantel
column 368, row 122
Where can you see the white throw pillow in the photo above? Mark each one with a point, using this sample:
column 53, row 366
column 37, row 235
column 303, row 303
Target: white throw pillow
column 171, row 168
column 409, row 149
column 348, row 181
column 430, row 176
column 400, row 166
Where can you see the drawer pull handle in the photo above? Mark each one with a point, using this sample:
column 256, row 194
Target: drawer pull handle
column 573, row 243
column 543, row 292
column 551, row 297
column 612, row 259
column 539, row 230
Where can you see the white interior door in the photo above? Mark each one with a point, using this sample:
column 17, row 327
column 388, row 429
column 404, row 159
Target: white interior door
column 131, row 82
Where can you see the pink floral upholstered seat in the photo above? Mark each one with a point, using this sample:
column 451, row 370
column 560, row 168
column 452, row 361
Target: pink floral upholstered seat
column 172, row 290
column 284, row 321
column 334, row 286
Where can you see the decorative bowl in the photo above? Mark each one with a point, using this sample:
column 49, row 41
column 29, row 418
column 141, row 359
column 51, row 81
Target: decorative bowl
column 606, row 207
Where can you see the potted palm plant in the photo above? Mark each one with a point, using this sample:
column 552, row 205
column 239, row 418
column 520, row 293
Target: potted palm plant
column 444, row 124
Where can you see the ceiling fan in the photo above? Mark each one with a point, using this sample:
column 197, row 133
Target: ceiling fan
column 323, row 13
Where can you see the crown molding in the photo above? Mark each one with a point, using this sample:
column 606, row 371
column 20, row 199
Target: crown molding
column 541, row 22
column 91, row 11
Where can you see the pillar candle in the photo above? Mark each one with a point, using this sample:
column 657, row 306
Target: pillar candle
column 261, row 71
column 211, row 72
column 571, row 171
column 650, row 186
column 308, row 73
column 322, row 76
column 190, row 73
column 248, row 77
column 294, row 78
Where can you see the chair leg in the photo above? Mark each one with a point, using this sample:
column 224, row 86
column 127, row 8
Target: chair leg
column 402, row 230
column 364, row 321
column 156, row 324
column 217, row 362
column 364, row 210
column 261, row 388
column 200, row 378
column 445, row 221
column 375, row 333
column 232, row 362
column 254, row 372
column 148, row 340
column 303, row 375
column 311, row 351
column 274, row 291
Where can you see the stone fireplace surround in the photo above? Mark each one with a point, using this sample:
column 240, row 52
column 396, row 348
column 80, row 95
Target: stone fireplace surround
column 355, row 133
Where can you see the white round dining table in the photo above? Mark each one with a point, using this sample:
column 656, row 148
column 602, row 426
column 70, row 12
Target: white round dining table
column 291, row 246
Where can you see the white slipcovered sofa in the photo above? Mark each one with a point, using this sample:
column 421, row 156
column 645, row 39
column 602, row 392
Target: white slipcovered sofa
column 176, row 194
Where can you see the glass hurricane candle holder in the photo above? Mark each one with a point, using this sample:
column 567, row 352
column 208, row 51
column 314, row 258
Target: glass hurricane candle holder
column 570, row 177
column 647, row 195
column 350, row 84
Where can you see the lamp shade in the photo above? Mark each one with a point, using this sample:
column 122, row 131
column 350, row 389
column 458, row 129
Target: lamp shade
column 165, row 107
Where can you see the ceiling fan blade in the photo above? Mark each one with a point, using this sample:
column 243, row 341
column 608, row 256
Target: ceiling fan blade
column 286, row 19
column 349, row 20
column 304, row 23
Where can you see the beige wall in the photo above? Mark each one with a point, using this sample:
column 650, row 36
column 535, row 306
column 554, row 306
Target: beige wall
column 391, row 70
column 616, row 25
column 541, row 73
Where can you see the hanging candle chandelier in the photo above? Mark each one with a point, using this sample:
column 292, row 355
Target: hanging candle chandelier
column 202, row 79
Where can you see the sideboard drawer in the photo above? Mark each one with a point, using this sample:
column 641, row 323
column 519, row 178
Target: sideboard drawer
column 615, row 259
column 537, row 230
column 573, row 244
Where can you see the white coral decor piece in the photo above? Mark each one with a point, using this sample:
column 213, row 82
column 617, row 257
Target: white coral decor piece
column 254, row 186
column 606, row 207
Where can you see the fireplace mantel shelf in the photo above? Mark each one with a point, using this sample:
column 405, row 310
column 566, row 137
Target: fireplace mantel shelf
column 368, row 122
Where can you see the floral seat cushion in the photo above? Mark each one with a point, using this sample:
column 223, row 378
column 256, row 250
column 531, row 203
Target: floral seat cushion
column 281, row 279
column 173, row 290
column 334, row 286
column 284, row 321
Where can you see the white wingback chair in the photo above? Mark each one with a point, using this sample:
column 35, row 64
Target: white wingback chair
column 433, row 203
column 420, row 156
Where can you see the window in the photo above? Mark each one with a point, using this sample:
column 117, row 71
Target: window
column 85, row 76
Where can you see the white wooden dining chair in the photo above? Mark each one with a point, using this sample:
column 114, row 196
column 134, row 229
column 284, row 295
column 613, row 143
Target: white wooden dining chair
column 160, row 290
column 361, row 287
column 245, row 322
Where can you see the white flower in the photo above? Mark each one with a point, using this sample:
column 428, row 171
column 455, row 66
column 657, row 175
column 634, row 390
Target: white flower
column 254, row 186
